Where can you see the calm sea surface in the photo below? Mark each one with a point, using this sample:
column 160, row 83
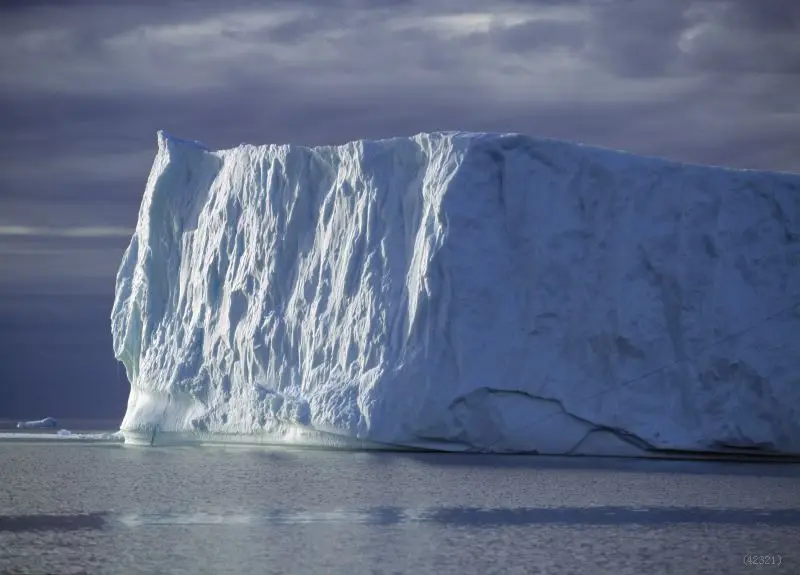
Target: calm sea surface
column 106, row 508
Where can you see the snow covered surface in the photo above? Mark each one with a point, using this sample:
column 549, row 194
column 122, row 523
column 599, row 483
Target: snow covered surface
column 47, row 422
column 462, row 291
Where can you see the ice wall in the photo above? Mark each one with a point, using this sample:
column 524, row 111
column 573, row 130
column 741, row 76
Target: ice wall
column 463, row 291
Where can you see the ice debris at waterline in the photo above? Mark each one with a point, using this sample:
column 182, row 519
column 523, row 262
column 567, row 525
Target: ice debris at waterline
column 462, row 291
column 46, row 423
column 64, row 435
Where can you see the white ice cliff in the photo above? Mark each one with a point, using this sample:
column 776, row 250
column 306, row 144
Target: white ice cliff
column 462, row 292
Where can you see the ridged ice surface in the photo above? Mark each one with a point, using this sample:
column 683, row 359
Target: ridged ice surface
column 463, row 291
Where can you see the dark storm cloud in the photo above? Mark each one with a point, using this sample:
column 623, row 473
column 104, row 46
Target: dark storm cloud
column 57, row 359
column 639, row 38
column 84, row 87
column 540, row 34
column 770, row 16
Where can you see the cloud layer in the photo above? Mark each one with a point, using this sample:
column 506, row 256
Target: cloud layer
column 84, row 86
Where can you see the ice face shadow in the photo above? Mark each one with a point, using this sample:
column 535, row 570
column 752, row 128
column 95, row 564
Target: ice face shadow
column 472, row 517
column 588, row 463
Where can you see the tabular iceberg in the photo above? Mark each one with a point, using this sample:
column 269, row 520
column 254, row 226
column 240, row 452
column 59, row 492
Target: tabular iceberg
column 462, row 291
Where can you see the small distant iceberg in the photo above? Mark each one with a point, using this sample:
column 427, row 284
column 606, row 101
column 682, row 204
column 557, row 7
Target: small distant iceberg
column 46, row 423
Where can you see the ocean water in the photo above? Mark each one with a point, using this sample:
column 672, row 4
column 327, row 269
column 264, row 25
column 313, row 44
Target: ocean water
column 107, row 508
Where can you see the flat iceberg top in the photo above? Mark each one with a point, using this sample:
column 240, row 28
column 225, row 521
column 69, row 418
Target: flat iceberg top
column 467, row 138
column 463, row 291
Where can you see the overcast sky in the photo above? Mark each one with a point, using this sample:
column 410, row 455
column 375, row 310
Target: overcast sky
column 85, row 85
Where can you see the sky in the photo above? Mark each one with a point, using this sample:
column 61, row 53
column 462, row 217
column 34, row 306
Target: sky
column 85, row 85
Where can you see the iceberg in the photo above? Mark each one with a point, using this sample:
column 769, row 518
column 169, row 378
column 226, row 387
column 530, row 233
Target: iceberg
column 461, row 292
column 46, row 423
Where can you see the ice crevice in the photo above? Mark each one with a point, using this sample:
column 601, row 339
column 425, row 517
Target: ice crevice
column 549, row 424
column 462, row 291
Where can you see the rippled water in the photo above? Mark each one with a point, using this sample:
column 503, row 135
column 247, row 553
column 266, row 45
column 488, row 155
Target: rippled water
column 107, row 508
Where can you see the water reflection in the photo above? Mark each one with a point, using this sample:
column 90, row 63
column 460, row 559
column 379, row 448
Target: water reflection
column 475, row 517
column 22, row 523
